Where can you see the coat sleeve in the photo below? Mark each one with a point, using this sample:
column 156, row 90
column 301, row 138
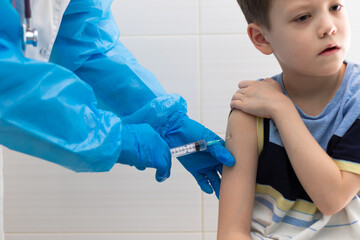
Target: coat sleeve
column 88, row 44
column 48, row 112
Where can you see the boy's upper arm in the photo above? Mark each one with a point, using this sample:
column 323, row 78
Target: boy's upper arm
column 241, row 131
column 238, row 182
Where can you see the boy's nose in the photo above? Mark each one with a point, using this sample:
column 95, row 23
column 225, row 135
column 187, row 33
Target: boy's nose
column 326, row 27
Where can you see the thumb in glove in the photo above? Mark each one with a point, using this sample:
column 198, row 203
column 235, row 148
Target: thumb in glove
column 143, row 147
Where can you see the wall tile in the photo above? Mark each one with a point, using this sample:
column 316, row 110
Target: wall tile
column 156, row 17
column 221, row 16
column 210, row 236
column 174, row 61
column 41, row 197
column 354, row 51
column 110, row 236
column 225, row 60
column 211, row 207
column 353, row 6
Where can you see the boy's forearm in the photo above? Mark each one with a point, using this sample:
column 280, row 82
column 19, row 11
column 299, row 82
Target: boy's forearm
column 316, row 170
column 234, row 236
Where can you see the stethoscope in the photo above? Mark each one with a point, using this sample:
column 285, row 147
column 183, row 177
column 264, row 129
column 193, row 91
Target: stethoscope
column 30, row 35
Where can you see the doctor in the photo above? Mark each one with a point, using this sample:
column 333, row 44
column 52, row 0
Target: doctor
column 77, row 97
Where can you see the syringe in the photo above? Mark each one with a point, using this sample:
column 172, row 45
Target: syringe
column 193, row 147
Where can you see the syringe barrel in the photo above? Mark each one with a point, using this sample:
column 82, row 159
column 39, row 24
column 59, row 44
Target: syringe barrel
column 188, row 148
column 201, row 145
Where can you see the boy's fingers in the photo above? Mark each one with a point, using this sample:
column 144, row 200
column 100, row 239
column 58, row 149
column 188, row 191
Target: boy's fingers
column 244, row 84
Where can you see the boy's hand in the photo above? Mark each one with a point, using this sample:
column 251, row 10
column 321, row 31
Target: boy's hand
column 259, row 98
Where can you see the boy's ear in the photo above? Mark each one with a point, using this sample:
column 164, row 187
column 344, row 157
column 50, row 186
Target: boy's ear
column 257, row 37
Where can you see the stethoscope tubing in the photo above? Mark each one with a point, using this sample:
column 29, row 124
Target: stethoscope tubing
column 30, row 35
column 27, row 9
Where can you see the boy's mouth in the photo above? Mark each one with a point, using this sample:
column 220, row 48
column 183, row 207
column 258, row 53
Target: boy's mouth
column 329, row 50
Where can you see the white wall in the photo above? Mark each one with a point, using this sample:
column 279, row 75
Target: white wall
column 197, row 48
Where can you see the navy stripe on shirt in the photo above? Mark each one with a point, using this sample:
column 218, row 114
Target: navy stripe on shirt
column 275, row 169
column 347, row 147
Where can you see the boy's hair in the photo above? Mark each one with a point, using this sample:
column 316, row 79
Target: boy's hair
column 256, row 11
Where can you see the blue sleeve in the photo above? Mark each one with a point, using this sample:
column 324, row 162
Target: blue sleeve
column 48, row 112
column 345, row 150
column 88, row 44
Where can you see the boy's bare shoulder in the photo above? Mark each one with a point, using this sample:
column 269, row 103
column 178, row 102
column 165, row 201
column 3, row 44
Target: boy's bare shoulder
column 240, row 122
column 238, row 116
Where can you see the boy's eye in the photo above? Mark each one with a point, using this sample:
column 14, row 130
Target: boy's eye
column 302, row 18
column 336, row 7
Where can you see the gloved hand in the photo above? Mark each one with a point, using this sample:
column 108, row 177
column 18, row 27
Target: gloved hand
column 167, row 115
column 204, row 166
column 143, row 147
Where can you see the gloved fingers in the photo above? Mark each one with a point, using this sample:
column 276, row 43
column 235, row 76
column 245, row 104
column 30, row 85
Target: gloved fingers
column 163, row 169
column 219, row 169
column 161, row 176
column 215, row 181
column 219, row 152
column 155, row 153
column 203, row 182
column 141, row 168
column 143, row 147
column 163, row 161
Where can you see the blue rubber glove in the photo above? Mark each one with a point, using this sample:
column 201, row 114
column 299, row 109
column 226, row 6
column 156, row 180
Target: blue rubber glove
column 143, row 147
column 204, row 166
column 167, row 115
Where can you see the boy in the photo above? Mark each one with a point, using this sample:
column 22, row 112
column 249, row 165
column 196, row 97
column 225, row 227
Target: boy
column 297, row 172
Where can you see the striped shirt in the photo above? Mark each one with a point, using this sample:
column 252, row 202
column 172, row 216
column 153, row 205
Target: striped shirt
column 283, row 209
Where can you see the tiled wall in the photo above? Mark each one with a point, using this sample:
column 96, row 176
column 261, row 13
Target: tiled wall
column 197, row 48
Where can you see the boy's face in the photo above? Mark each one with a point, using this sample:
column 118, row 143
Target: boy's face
column 309, row 37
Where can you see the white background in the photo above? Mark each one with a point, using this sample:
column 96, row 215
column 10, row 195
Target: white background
column 197, row 48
